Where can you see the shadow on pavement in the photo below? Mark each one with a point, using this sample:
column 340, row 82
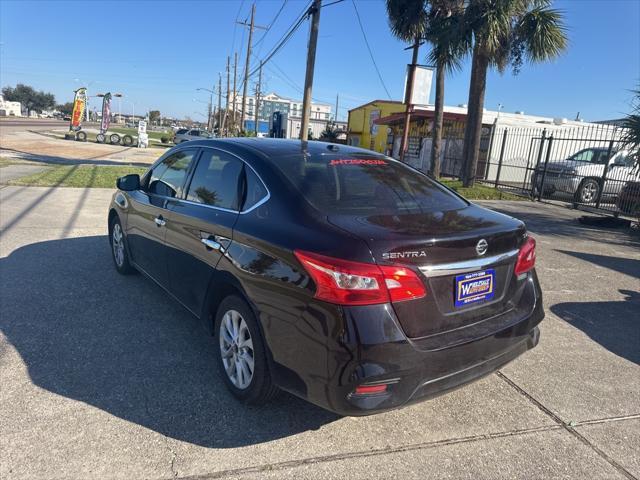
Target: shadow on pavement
column 57, row 160
column 614, row 325
column 628, row 266
column 568, row 227
column 122, row 345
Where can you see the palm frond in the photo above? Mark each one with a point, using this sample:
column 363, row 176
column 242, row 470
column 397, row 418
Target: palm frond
column 542, row 33
column 407, row 18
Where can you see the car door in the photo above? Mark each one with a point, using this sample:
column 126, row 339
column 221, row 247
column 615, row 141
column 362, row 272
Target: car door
column 620, row 171
column 200, row 225
column 148, row 211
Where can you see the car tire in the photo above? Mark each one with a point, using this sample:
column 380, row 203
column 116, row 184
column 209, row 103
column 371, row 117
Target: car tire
column 119, row 250
column 127, row 140
column 100, row 138
column 81, row 136
column 238, row 344
column 114, row 138
column 588, row 191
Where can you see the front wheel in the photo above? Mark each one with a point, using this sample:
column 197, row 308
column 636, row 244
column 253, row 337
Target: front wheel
column 119, row 249
column 588, row 191
column 241, row 354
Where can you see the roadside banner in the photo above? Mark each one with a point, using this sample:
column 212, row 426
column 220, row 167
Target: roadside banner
column 106, row 113
column 79, row 104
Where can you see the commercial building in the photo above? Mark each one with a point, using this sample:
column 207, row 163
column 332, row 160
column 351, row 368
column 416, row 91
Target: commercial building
column 272, row 102
column 362, row 131
column 522, row 132
column 9, row 109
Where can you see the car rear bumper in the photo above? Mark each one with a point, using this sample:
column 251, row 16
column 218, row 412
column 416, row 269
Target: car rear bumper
column 417, row 369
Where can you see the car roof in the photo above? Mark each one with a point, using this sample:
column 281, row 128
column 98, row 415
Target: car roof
column 278, row 147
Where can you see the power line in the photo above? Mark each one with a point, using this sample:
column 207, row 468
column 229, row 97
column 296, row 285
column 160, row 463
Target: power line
column 285, row 38
column 271, row 24
column 364, row 35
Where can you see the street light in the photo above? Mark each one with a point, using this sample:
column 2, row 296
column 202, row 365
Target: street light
column 209, row 122
column 119, row 97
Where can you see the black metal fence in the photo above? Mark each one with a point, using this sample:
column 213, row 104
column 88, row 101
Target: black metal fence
column 588, row 166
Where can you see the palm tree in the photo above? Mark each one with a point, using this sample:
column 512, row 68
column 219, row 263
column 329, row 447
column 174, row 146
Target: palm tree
column 408, row 22
column 503, row 33
column 631, row 126
column 444, row 34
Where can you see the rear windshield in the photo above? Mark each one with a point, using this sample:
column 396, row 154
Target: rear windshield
column 362, row 184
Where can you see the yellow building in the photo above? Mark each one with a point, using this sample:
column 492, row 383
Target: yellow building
column 363, row 132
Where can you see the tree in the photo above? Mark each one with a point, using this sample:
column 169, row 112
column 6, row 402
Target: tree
column 65, row 108
column 154, row 116
column 408, row 22
column 330, row 133
column 502, row 33
column 29, row 98
column 631, row 126
column 444, row 32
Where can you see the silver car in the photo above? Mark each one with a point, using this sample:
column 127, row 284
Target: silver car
column 185, row 134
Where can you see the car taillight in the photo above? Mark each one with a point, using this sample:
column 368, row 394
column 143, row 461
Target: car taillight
column 526, row 256
column 354, row 283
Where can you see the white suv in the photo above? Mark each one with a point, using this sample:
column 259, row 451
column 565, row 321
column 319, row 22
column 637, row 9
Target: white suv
column 581, row 174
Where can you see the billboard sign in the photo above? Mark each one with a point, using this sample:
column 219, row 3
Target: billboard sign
column 106, row 113
column 422, row 80
column 79, row 104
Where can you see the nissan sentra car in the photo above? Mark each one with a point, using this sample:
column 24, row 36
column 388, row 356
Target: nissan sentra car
column 337, row 274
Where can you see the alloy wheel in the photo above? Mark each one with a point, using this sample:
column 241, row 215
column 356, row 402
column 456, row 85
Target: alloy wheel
column 589, row 192
column 117, row 243
column 236, row 349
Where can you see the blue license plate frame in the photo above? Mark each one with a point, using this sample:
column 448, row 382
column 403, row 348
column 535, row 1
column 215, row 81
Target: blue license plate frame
column 474, row 287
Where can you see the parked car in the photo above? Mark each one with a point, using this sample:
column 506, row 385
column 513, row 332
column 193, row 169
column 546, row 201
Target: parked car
column 332, row 272
column 629, row 199
column 581, row 174
column 184, row 135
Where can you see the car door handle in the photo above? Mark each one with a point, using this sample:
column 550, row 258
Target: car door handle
column 161, row 222
column 211, row 244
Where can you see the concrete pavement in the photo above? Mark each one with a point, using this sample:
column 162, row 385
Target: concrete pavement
column 104, row 376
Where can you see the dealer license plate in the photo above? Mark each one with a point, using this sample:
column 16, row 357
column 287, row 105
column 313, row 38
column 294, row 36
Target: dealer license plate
column 475, row 287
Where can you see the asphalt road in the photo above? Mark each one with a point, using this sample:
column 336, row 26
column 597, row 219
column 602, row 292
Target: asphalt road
column 103, row 376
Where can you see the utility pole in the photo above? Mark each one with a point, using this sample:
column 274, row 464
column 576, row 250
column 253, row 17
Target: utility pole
column 258, row 93
column 335, row 117
column 235, row 92
column 311, row 62
column 226, row 110
column 407, row 99
column 247, row 64
column 219, row 104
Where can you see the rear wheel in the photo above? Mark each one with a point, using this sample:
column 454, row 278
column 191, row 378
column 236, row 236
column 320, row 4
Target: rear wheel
column 118, row 248
column 588, row 191
column 241, row 354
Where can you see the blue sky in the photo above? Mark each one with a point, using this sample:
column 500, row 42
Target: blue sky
column 158, row 53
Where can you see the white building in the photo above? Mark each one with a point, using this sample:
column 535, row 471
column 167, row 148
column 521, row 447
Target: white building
column 13, row 109
column 272, row 102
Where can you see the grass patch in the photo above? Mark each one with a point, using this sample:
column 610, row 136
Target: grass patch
column 479, row 191
column 96, row 176
column 6, row 161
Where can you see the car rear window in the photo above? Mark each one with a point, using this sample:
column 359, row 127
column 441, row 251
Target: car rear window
column 359, row 184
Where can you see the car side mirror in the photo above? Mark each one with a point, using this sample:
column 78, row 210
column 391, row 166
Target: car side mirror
column 129, row 183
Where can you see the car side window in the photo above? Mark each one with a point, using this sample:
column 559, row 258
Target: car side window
column 167, row 178
column 194, row 133
column 256, row 190
column 583, row 156
column 215, row 180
